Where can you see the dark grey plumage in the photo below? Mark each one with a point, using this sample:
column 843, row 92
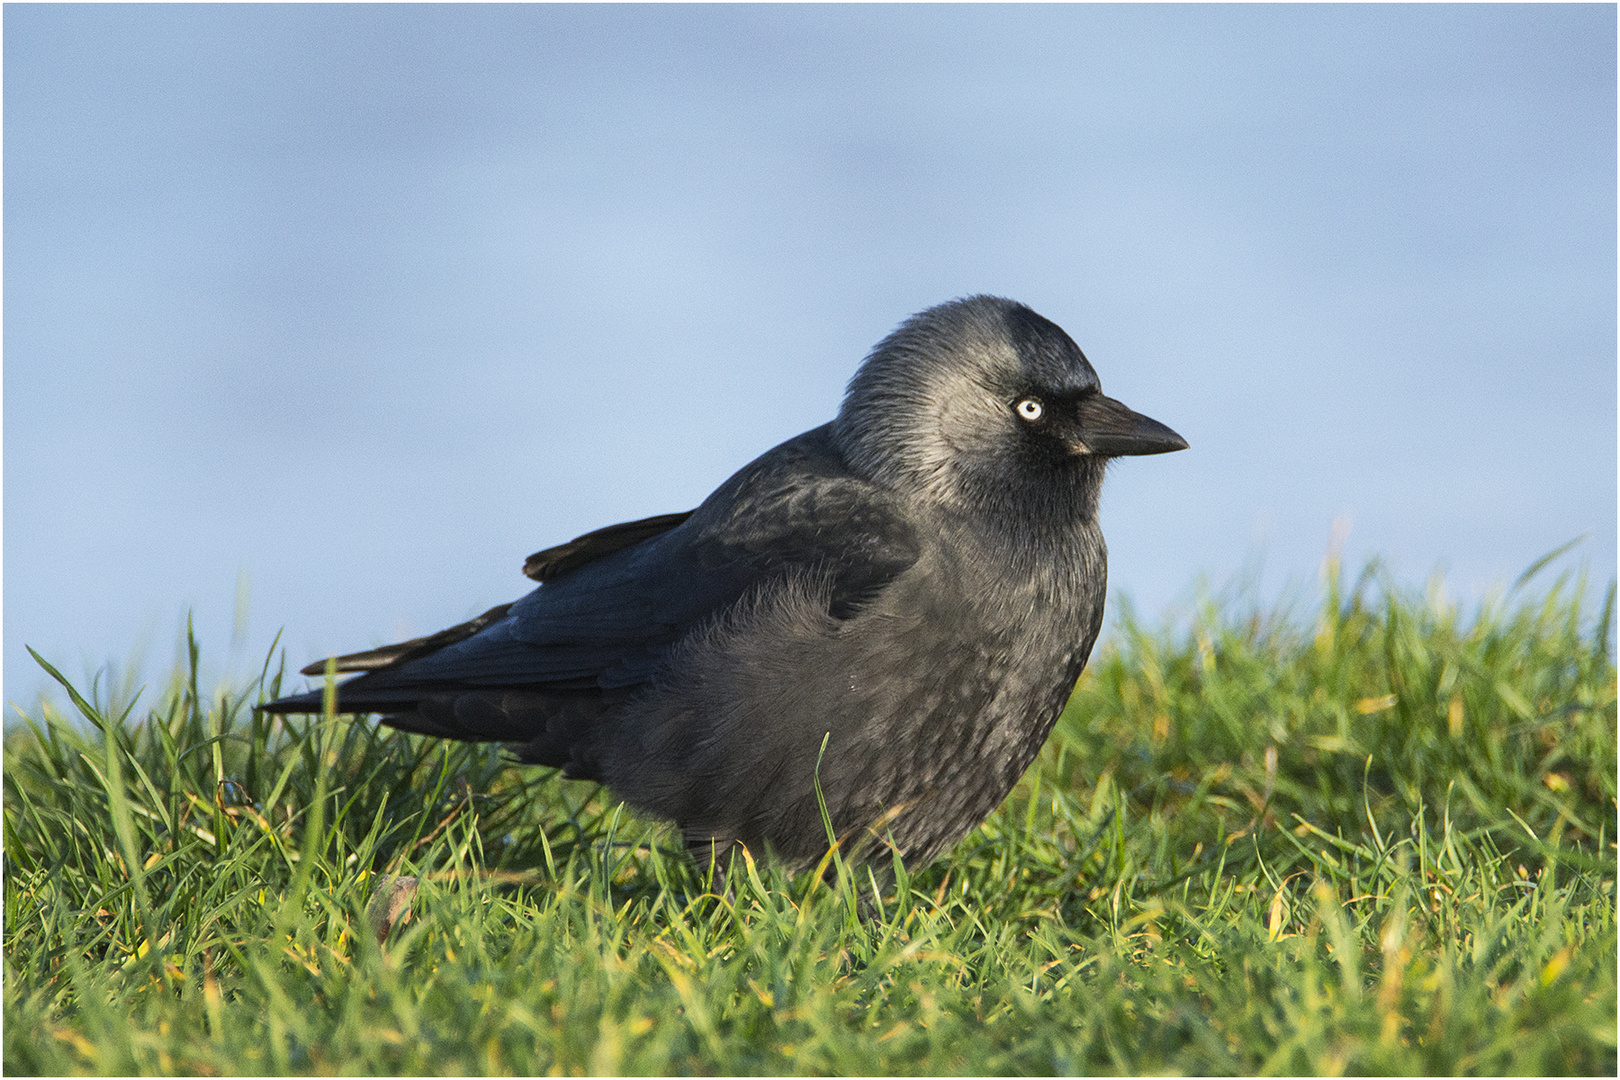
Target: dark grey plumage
column 918, row 583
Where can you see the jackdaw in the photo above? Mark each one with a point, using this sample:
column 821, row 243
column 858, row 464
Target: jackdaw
column 893, row 607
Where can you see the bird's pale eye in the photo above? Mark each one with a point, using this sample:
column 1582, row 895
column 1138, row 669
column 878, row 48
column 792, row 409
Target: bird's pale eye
column 1029, row 409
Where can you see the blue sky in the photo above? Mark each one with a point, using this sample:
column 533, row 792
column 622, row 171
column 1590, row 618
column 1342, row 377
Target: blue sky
column 348, row 309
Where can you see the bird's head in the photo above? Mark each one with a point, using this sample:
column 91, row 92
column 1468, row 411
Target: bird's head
column 982, row 404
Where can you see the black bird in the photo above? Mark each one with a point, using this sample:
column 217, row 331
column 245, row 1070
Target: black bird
column 916, row 585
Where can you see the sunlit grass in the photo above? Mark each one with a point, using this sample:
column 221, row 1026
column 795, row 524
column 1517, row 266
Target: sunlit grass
column 1379, row 841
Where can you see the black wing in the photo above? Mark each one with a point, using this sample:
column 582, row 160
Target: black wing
column 542, row 566
column 389, row 655
column 609, row 623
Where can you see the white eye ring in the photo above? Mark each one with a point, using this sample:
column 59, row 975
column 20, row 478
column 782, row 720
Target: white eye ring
column 1030, row 409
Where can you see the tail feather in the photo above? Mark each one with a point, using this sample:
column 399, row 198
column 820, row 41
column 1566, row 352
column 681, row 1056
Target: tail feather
column 347, row 704
column 550, row 727
column 556, row 729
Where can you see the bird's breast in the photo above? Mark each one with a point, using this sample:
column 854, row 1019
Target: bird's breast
column 957, row 679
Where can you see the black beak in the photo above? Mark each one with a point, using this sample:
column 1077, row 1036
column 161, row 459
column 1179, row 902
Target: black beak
column 1109, row 429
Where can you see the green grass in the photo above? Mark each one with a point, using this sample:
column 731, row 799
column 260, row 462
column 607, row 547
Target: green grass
column 1378, row 840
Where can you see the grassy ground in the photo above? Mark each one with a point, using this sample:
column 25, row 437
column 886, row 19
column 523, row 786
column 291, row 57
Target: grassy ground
column 1379, row 840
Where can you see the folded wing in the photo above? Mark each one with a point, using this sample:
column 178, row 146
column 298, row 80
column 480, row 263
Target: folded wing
column 616, row 601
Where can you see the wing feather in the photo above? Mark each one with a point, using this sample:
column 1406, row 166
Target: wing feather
column 616, row 601
column 554, row 562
